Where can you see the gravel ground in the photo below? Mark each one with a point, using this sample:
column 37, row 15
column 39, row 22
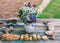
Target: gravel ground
column 9, row 8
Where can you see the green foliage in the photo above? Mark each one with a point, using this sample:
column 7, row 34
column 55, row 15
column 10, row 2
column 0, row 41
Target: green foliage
column 20, row 13
column 52, row 10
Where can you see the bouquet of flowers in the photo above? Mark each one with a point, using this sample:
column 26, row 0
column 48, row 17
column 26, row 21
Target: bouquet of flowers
column 27, row 15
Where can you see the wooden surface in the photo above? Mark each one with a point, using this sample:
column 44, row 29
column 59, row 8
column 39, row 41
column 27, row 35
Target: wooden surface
column 40, row 30
column 49, row 41
column 37, row 31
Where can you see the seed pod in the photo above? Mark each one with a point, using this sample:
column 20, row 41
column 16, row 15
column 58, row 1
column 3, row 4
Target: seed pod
column 49, row 32
column 26, row 36
column 34, row 37
column 52, row 36
column 30, row 38
column 44, row 38
column 22, row 37
column 38, row 37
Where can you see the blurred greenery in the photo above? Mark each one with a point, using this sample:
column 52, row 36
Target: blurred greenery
column 52, row 10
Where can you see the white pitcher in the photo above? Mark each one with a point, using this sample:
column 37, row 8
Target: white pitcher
column 29, row 28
